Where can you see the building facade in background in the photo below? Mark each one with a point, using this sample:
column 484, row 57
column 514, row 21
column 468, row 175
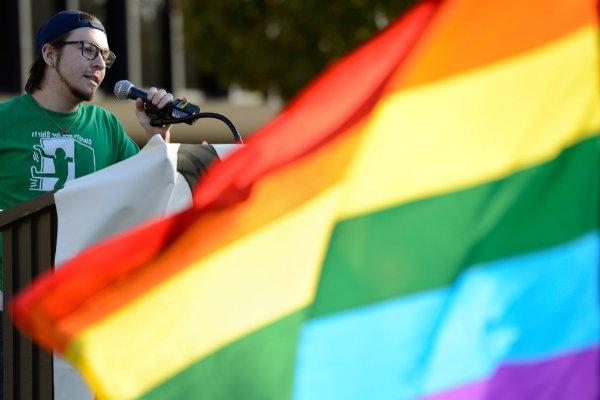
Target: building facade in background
column 146, row 35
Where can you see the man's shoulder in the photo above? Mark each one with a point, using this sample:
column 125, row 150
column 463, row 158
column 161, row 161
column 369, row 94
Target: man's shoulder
column 14, row 112
column 12, row 102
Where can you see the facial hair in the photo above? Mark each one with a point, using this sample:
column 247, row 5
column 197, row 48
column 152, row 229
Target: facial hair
column 74, row 91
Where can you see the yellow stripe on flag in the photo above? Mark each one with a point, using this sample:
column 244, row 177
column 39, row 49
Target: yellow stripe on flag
column 478, row 126
column 242, row 287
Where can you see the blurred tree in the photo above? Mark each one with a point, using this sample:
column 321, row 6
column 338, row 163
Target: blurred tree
column 279, row 45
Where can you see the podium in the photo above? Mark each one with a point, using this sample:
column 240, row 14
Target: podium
column 29, row 242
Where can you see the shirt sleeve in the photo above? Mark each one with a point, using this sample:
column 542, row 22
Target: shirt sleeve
column 128, row 148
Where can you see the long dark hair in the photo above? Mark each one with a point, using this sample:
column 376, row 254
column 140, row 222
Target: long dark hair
column 38, row 69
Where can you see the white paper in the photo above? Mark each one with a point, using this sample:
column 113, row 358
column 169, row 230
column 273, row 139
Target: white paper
column 109, row 201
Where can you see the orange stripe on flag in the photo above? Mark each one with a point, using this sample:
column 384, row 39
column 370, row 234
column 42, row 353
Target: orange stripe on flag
column 469, row 34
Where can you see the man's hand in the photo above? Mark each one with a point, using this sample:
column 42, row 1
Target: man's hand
column 159, row 98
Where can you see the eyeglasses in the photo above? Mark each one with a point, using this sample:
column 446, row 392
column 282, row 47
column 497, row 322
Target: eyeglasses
column 90, row 51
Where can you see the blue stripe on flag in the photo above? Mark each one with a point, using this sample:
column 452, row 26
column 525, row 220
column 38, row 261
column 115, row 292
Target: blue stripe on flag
column 522, row 308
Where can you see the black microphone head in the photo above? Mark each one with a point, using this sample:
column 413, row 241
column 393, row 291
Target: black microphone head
column 122, row 89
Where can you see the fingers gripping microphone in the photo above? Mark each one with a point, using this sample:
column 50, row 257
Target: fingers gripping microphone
column 173, row 110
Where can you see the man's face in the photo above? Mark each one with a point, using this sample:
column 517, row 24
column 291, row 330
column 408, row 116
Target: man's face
column 81, row 76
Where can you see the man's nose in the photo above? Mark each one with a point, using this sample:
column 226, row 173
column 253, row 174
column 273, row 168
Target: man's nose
column 99, row 61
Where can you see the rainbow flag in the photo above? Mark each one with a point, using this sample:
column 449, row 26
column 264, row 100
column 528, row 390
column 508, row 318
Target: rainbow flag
column 421, row 222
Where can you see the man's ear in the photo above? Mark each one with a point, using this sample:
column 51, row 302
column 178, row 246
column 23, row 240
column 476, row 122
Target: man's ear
column 50, row 54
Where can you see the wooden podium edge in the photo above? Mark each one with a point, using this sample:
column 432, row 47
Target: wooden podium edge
column 22, row 210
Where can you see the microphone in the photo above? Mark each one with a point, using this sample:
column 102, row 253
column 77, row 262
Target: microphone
column 174, row 109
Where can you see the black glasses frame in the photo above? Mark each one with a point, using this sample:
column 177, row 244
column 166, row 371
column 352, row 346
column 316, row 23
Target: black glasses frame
column 107, row 55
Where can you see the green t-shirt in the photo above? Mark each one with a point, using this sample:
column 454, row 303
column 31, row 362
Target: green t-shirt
column 35, row 157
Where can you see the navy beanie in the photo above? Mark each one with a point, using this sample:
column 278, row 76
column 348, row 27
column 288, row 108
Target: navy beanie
column 61, row 23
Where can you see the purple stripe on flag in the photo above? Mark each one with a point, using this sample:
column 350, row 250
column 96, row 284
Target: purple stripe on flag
column 571, row 376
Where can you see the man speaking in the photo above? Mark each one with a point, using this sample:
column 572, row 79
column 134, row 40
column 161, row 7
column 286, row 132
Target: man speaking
column 50, row 126
column 49, row 135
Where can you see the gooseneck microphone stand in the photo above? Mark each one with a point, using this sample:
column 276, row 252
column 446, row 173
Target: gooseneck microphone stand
column 192, row 118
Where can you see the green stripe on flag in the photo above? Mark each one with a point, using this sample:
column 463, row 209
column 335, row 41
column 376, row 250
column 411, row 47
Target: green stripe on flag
column 258, row 366
column 426, row 244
